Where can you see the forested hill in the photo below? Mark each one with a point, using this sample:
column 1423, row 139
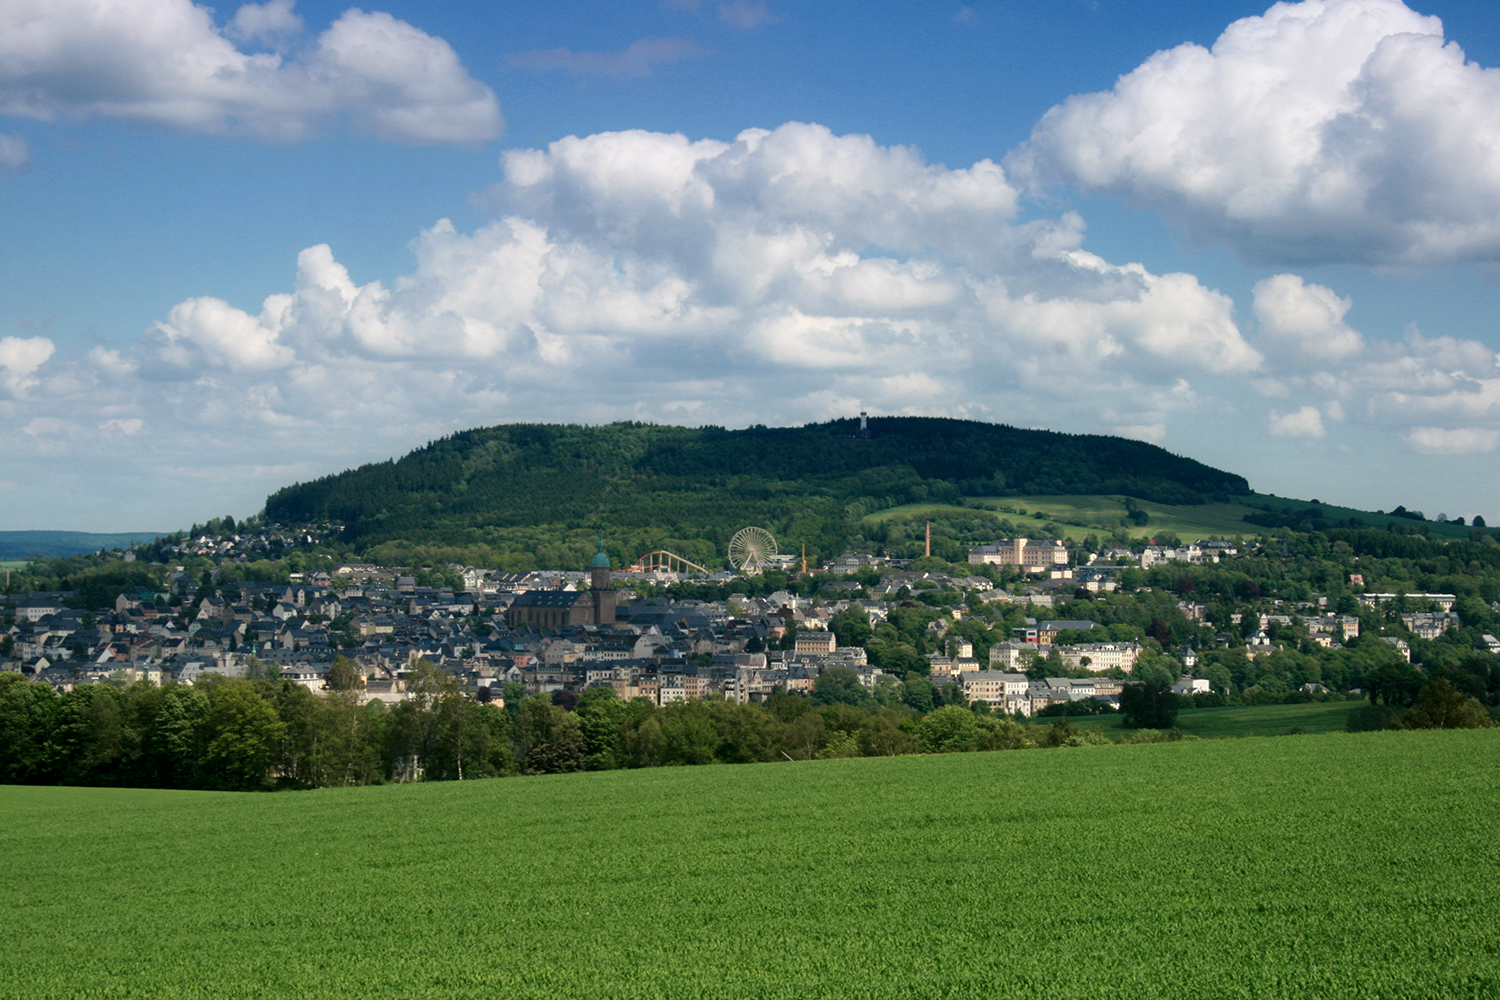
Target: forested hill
column 659, row 484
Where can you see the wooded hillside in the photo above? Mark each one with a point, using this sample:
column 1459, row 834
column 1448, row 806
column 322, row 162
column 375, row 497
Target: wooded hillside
column 689, row 489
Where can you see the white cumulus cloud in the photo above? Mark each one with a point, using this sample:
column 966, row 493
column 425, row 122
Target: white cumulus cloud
column 166, row 63
column 272, row 23
column 1327, row 130
column 20, row 357
column 1304, row 321
column 1306, row 422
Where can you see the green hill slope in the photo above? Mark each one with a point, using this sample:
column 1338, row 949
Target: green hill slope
column 1321, row 866
column 523, row 488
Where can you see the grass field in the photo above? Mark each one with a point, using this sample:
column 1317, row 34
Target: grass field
column 1324, row 866
column 1251, row 720
column 1099, row 514
column 1102, row 514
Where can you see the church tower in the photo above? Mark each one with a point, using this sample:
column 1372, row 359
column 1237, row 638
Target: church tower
column 601, row 588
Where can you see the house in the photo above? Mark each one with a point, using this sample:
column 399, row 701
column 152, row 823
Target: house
column 1043, row 633
column 1012, row 655
column 813, row 643
column 1430, row 626
column 1001, row 691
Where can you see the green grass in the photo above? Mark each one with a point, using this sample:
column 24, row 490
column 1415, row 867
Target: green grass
column 1099, row 515
column 1331, row 866
column 1102, row 514
column 1249, row 720
column 1188, row 522
column 13, row 563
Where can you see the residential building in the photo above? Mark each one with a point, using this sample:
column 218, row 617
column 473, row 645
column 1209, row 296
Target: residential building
column 1031, row 555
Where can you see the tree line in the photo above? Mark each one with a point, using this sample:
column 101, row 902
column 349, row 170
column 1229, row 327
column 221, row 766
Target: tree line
column 246, row 734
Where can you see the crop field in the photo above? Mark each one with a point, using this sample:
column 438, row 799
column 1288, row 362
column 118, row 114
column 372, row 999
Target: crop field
column 1249, row 720
column 1335, row 865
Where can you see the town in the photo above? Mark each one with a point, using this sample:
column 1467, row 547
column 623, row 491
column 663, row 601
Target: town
column 968, row 639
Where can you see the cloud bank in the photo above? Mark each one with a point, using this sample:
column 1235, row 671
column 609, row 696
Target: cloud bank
column 165, row 63
column 788, row 275
column 1322, row 131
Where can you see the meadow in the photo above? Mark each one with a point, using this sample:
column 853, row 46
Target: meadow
column 1082, row 515
column 1242, row 720
column 1364, row 865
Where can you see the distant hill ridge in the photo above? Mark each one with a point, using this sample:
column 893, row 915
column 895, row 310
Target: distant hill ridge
column 811, row 482
column 17, row 545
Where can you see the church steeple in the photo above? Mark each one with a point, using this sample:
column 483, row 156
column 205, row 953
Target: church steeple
column 599, row 570
column 601, row 588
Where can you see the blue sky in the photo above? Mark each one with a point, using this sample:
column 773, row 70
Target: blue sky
column 253, row 245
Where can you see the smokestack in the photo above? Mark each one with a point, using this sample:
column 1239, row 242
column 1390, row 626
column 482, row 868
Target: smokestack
column 929, row 539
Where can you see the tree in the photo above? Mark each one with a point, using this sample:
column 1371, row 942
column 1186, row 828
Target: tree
column 851, row 626
column 27, row 711
column 840, row 685
column 949, row 729
column 1149, row 705
column 1395, row 683
column 244, row 735
column 600, row 713
column 1442, row 706
column 1217, row 676
column 548, row 739
column 344, row 675
column 917, row 693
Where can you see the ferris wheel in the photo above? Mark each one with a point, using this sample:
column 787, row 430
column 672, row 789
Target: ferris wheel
column 751, row 549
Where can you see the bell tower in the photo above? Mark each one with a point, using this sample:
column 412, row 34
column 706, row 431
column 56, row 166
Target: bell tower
column 601, row 588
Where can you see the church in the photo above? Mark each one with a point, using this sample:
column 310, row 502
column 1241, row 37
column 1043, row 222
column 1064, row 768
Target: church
column 556, row 608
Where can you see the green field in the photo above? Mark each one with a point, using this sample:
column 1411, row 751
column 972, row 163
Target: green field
column 1098, row 515
column 1325, row 866
column 1251, row 720
column 1188, row 522
column 1081, row 515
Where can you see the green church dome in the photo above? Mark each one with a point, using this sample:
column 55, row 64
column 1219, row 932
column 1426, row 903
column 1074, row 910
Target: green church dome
column 601, row 558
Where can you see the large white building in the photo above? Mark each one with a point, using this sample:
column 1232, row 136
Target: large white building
column 1029, row 554
column 1102, row 656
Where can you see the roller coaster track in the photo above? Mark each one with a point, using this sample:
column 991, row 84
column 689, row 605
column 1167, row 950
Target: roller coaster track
column 661, row 559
